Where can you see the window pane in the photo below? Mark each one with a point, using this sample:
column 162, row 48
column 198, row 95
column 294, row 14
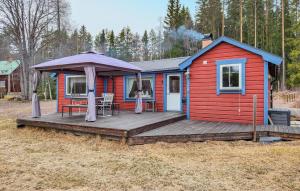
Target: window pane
column 147, row 88
column 76, row 85
column 234, row 76
column 234, row 69
column 131, row 88
column 234, row 80
column 225, row 69
column 225, row 76
column 174, row 84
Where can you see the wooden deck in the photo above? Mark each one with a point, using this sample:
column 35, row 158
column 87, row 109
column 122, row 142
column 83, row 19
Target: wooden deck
column 156, row 127
column 184, row 131
column 118, row 127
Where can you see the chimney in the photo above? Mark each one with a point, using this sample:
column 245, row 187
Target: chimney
column 207, row 40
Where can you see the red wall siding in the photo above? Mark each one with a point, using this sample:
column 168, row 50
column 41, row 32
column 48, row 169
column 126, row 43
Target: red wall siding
column 124, row 105
column 159, row 91
column 61, row 92
column 129, row 105
column 205, row 104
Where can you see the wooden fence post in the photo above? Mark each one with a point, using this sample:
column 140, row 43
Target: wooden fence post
column 254, row 117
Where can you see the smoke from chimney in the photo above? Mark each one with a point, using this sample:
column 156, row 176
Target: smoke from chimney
column 183, row 33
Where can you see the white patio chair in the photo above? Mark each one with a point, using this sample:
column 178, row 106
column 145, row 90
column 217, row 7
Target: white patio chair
column 105, row 103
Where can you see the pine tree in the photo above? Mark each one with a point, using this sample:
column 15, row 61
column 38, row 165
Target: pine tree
column 112, row 45
column 172, row 19
column 209, row 17
column 169, row 19
column 177, row 16
column 185, row 18
column 145, row 46
column 101, row 42
column 136, row 47
column 85, row 40
column 293, row 45
column 153, row 49
column 89, row 42
column 74, row 42
column 232, row 20
column 293, row 69
column 120, row 45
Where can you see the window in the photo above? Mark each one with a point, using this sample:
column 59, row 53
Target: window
column 76, row 85
column 132, row 88
column 174, row 84
column 2, row 84
column 231, row 76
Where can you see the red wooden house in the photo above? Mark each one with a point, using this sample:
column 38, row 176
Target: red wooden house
column 216, row 84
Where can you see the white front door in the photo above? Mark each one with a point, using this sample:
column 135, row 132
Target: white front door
column 173, row 92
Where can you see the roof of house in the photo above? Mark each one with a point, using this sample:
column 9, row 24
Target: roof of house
column 77, row 62
column 160, row 65
column 268, row 57
column 7, row 67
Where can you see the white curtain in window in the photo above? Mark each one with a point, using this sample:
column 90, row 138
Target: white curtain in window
column 131, row 88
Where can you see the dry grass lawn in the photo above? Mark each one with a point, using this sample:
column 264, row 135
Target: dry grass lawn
column 33, row 159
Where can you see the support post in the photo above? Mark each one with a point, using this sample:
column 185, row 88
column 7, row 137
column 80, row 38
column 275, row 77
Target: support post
column 8, row 84
column 139, row 101
column 254, row 117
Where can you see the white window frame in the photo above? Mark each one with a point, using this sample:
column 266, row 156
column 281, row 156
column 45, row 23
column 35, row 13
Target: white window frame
column 240, row 77
column 67, row 84
column 143, row 78
column 2, row 82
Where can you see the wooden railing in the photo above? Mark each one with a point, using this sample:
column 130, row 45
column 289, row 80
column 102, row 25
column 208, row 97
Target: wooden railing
column 286, row 96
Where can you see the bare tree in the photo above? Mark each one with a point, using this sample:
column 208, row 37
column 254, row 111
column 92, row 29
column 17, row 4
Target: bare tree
column 26, row 21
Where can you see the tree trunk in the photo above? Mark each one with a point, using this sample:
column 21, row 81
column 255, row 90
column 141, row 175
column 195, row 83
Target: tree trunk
column 223, row 17
column 255, row 25
column 282, row 45
column 241, row 20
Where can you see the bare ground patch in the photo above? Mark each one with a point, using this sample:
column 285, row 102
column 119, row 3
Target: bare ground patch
column 34, row 159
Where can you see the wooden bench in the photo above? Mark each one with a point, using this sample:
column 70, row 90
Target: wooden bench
column 71, row 107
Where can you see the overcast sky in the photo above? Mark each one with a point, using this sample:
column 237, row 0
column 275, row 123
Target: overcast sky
column 115, row 14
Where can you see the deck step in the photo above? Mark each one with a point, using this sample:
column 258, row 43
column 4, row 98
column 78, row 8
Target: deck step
column 156, row 125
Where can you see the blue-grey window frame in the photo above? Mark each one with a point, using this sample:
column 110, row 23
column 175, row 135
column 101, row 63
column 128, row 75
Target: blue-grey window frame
column 125, row 98
column 242, row 62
